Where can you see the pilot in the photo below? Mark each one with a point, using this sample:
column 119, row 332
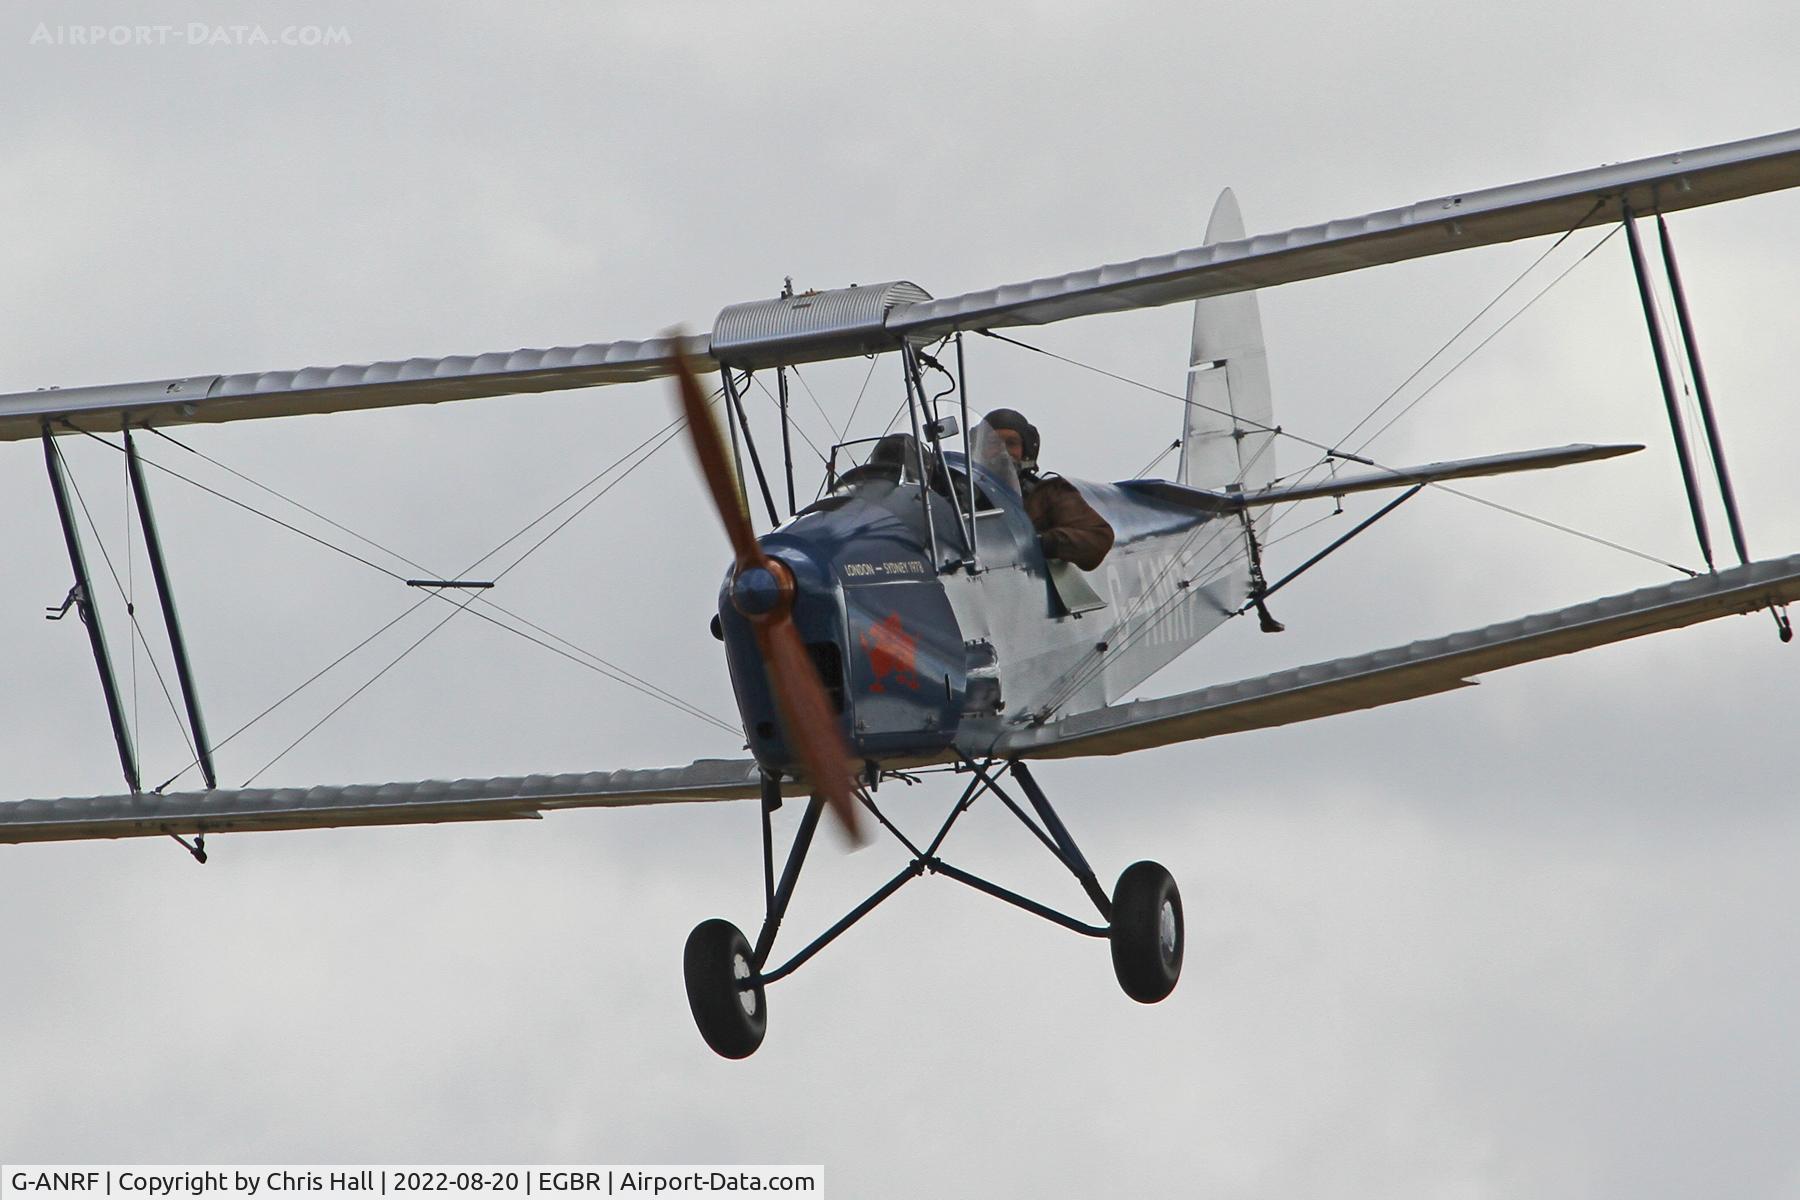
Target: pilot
column 1067, row 526
column 895, row 454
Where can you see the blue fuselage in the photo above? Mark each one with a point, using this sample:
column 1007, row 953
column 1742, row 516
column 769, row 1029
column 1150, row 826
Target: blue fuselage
column 911, row 657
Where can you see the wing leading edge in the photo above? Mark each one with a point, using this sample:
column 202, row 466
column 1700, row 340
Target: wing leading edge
column 427, row 802
column 1407, row 672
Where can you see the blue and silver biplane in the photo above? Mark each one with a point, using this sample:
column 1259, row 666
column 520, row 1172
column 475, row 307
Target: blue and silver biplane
column 907, row 619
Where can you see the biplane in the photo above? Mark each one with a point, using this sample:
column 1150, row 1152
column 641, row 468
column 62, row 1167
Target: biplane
column 907, row 620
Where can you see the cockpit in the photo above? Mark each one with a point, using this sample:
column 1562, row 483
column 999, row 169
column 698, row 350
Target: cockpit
column 869, row 468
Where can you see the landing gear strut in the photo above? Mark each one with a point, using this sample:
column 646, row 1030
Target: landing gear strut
column 727, row 977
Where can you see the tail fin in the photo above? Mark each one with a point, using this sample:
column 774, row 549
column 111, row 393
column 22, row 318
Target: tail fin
column 1227, row 438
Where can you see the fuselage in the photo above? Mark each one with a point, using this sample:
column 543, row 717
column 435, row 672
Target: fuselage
column 926, row 654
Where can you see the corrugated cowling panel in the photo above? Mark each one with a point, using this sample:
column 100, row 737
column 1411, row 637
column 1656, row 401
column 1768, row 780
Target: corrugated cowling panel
column 811, row 326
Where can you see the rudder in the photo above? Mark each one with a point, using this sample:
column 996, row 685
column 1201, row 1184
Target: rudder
column 1227, row 439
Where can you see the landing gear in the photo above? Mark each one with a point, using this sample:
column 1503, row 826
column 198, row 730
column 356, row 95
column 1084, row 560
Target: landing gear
column 724, row 991
column 1147, row 934
column 727, row 976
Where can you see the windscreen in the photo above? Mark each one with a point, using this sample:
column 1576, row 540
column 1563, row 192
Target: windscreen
column 882, row 463
column 987, row 450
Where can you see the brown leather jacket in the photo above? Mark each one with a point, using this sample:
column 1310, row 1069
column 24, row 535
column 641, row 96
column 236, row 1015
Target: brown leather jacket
column 1068, row 527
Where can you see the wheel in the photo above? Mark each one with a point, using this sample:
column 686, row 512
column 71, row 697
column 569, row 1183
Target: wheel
column 732, row 1018
column 1147, row 932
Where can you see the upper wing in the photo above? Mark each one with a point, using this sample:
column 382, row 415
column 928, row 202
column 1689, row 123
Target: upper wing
column 148, row 814
column 1457, row 222
column 851, row 322
column 1405, row 672
column 337, row 389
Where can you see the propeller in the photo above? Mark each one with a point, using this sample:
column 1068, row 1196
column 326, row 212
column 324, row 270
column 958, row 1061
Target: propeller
column 762, row 590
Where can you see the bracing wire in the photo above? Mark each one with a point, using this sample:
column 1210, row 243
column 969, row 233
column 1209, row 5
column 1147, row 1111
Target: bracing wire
column 282, row 496
column 302, row 686
column 605, row 667
column 1470, row 323
column 599, row 664
column 419, row 566
column 793, row 422
column 1331, row 453
column 340, row 706
column 1594, row 538
column 1329, row 460
column 860, row 393
column 823, row 415
column 1482, row 344
column 1153, row 463
column 1086, row 671
column 1694, row 425
column 1549, row 524
column 673, row 433
column 232, row 500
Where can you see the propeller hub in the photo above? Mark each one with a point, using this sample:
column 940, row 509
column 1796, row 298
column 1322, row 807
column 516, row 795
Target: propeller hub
column 763, row 590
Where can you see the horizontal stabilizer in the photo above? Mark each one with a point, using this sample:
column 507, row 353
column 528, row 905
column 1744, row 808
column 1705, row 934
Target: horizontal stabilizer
column 1407, row 672
column 428, row 802
column 1344, row 485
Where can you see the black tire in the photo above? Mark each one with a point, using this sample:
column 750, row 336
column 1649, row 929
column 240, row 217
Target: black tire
column 731, row 1018
column 1148, row 934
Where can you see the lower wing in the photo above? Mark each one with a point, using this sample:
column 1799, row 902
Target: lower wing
column 1302, row 694
column 1406, row 672
column 148, row 814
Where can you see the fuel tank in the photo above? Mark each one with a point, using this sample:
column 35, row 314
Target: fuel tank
column 875, row 620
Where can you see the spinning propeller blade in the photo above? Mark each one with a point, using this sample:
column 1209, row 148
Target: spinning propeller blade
column 806, row 715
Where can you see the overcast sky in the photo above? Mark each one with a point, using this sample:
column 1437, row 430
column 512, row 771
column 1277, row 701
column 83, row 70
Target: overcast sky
column 1535, row 938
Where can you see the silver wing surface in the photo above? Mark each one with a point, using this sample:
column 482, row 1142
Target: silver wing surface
column 1323, row 689
column 427, row 802
column 1457, row 222
column 844, row 323
column 1406, row 672
column 209, row 398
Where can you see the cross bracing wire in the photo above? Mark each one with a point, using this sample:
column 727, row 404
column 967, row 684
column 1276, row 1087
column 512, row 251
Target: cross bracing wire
column 567, row 649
